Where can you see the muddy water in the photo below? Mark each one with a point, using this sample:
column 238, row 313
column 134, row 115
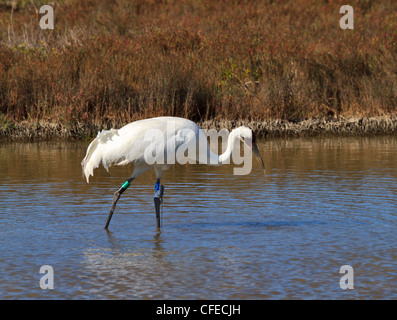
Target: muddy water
column 324, row 203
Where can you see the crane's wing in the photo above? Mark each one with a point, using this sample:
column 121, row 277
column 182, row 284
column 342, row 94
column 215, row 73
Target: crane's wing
column 98, row 152
column 113, row 147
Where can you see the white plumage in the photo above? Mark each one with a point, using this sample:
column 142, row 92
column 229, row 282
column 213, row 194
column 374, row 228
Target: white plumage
column 129, row 144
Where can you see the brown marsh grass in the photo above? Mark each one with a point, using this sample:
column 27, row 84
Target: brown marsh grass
column 115, row 61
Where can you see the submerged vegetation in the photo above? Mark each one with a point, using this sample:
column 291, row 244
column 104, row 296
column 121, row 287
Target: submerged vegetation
column 113, row 61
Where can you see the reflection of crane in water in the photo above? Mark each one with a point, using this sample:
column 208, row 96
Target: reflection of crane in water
column 130, row 144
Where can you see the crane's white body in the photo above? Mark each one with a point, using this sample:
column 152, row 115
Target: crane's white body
column 129, row 144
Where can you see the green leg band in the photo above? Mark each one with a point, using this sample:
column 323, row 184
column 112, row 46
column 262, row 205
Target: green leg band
column 124, row 187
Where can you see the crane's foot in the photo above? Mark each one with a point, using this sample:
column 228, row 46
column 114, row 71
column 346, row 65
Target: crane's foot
column 158, row 200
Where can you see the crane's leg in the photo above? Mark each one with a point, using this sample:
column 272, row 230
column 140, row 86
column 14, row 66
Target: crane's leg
column 137, row 172
column 158, row 200
column 116, row 198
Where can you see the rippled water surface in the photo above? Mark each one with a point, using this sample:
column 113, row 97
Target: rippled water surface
column 325, row 203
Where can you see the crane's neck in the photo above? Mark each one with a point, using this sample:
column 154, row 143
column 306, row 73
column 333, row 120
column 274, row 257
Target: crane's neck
column 231, row 142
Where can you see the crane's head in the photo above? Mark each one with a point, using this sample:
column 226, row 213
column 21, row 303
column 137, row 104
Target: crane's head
column 247, row 135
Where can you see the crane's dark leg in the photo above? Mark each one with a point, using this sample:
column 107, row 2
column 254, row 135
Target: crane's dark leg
column 158, row 200
column 116, row 198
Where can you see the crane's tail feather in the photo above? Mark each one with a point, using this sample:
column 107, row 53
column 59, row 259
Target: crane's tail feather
column 94, row 155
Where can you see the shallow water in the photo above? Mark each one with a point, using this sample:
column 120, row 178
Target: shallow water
column 325, row 203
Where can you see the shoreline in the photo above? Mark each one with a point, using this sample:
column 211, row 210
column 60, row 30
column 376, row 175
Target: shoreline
column 353, row 126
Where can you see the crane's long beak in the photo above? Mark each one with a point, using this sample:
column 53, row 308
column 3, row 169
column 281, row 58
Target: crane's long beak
column 258, row 156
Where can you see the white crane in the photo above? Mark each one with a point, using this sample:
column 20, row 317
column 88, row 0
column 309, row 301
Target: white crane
column 139, row 143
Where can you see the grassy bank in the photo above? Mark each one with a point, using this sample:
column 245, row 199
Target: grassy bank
column 111, row 62
column 353, row 126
